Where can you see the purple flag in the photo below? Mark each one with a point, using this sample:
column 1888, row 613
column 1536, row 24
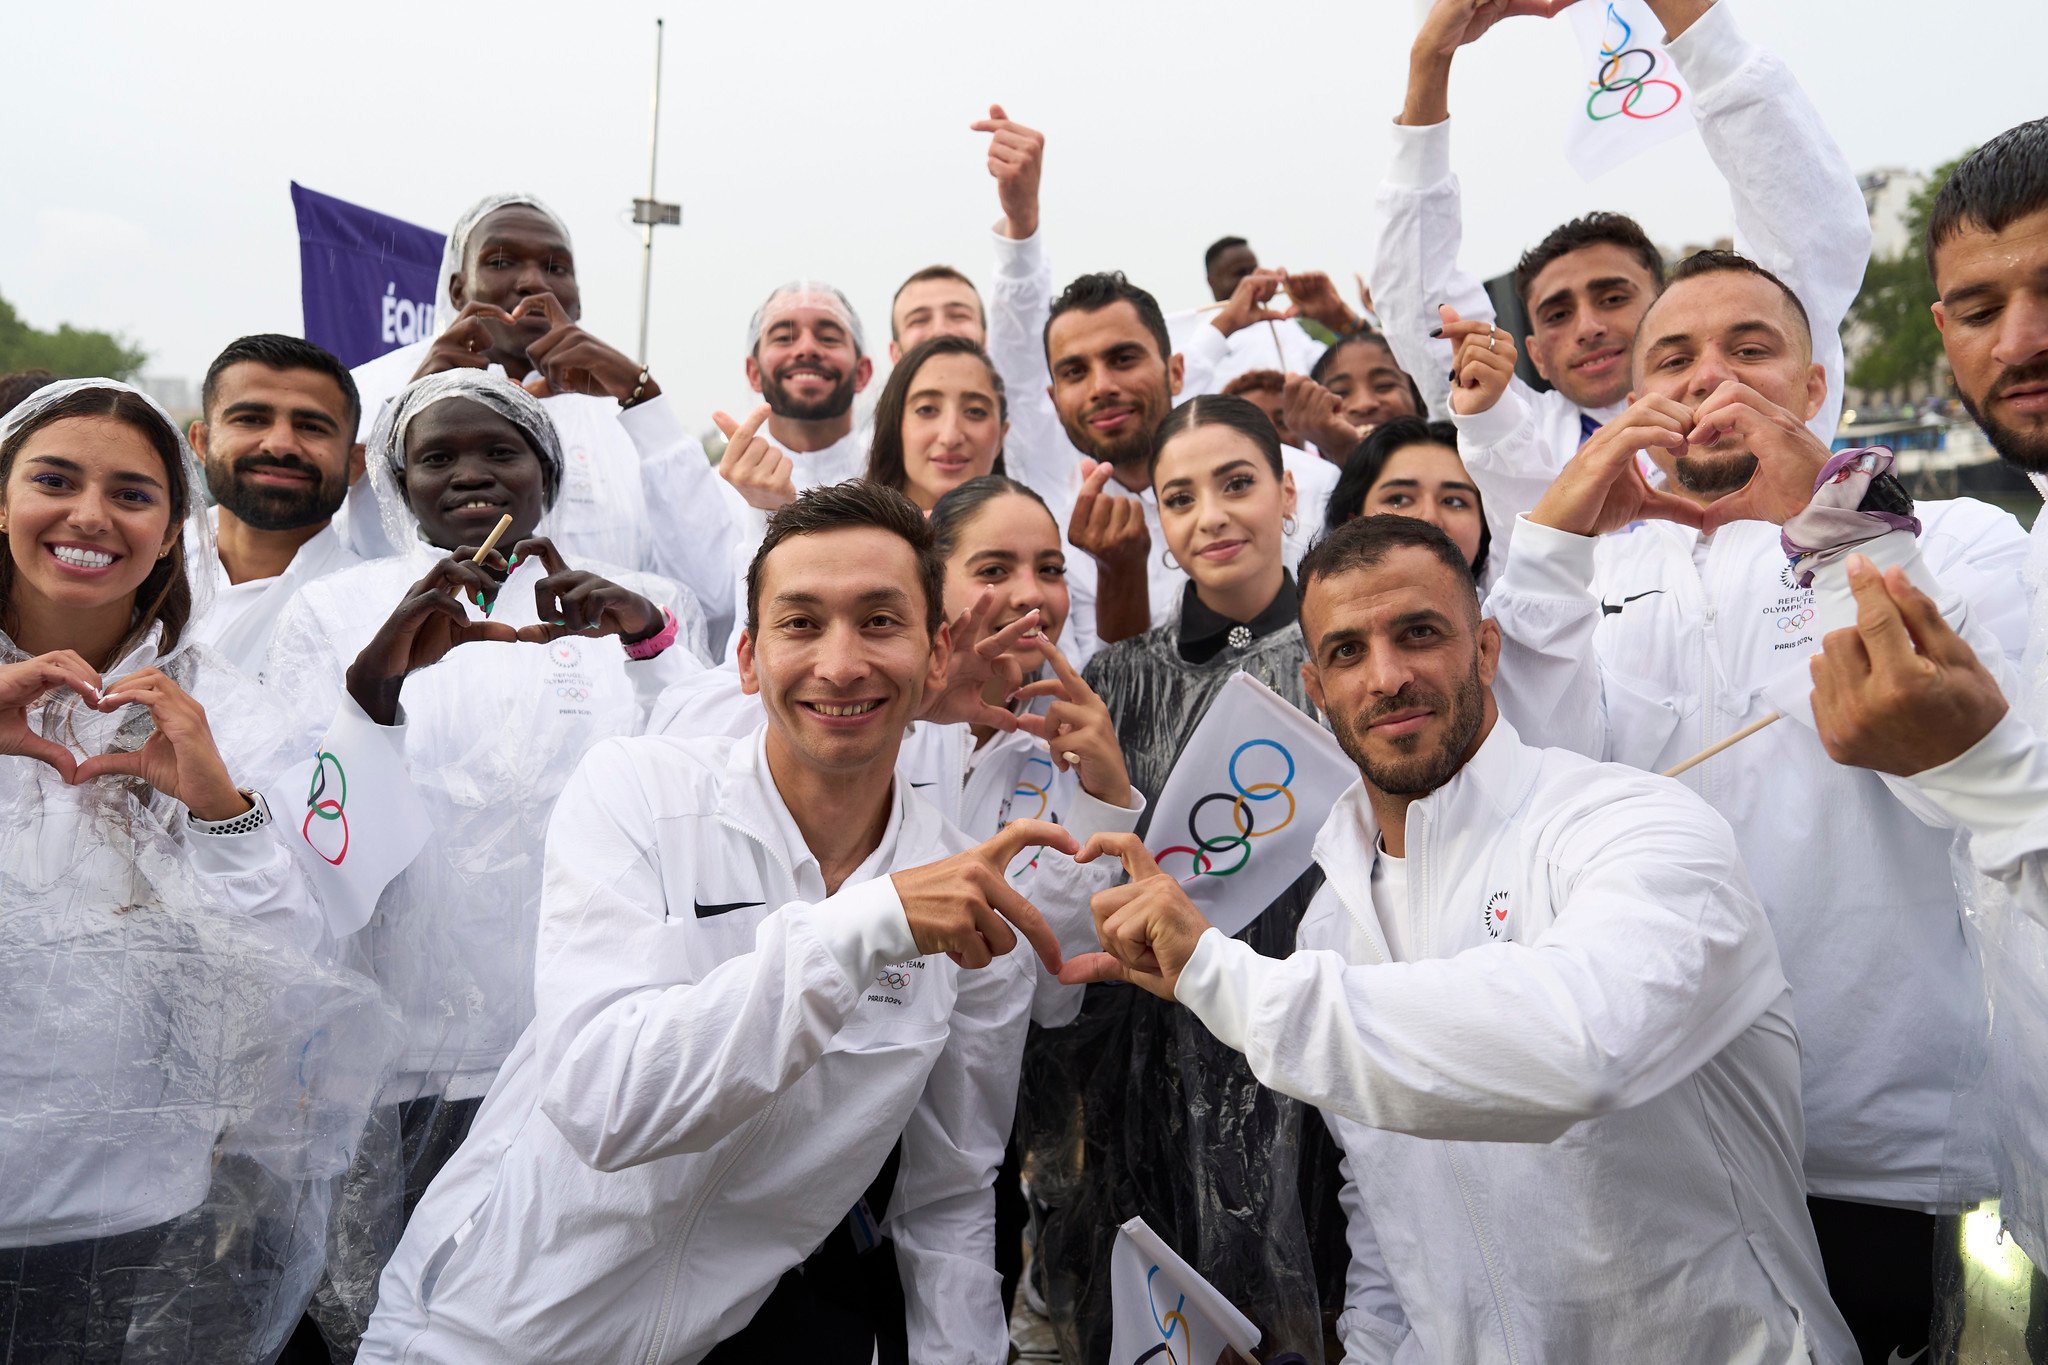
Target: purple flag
column 366, row 279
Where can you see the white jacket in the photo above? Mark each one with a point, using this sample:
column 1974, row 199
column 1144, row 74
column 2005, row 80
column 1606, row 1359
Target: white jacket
column 1646, row 646
column 722, row 1060
column 490, row 734
column 1571, row 1121
column 1798, row 212
column 243, row 616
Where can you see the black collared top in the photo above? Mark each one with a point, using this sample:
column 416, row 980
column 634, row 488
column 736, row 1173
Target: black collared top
column 1205, row 633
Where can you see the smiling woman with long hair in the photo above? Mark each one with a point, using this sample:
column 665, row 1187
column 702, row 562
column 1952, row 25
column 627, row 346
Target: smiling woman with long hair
column 1124, row 1107
column 165, row 1089
column 940, row 421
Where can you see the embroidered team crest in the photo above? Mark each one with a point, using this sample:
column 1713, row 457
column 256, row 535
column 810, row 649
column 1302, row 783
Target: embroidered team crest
column 1496, row 915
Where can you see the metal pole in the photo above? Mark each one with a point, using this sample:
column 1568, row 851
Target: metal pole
column 647, row 229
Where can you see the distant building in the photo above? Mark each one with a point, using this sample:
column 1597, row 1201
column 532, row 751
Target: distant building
column 1887, row 195
column 176, row 395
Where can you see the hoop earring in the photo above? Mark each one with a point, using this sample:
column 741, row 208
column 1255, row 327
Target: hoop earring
column 1167, row 560
column 1287, row 526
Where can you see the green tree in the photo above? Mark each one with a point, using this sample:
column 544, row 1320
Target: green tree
column 1901, row 348
column 69, row 351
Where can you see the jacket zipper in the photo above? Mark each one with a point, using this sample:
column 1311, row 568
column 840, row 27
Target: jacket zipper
column 673, row 1268
column 1486, row 1255
column 675, row 1253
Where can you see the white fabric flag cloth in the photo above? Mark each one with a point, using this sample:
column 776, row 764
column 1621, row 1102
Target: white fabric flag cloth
column 1166, row 1314
column 355, row 819
column 1238, row 817
column 1630, row 95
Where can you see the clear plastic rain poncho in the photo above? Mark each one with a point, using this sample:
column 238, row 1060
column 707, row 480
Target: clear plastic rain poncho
column 601, row 512
column 183, row 1073
column 1990, row 1302
column 492, row 732
column 1136, row 1110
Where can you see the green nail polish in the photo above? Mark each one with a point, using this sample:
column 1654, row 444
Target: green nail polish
column 513, row 560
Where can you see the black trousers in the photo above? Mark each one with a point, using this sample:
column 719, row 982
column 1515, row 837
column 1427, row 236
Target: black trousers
column 69, row 1304
column 1880, row 1265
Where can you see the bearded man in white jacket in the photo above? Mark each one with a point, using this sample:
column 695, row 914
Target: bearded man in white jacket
column 772, row 987
column 1536, row 1001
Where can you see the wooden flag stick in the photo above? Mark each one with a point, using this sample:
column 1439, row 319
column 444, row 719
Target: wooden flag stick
column 491, row 540
column 1730, row 742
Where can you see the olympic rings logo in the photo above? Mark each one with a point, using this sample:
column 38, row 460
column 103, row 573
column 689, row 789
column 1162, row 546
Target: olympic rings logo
column 1630, row 85
column 329, row 809
column 1243, row 801
column 893, row 979
column 1027, row 788
column 573, row 693
column 1797, row 621
column 1168, row 1324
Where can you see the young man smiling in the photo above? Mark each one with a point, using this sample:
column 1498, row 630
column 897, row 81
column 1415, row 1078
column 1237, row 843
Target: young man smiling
column 773, row 986
column 1587, row 284
column 1535, row 999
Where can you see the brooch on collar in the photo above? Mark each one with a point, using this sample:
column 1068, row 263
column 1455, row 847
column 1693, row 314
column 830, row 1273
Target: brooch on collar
column 1240, row 637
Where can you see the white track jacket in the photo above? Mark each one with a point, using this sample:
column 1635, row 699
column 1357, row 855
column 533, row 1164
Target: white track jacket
column 722, row 1060
column 1571, row 1120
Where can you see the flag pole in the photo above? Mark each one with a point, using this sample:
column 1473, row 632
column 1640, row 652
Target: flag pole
column 650, row 212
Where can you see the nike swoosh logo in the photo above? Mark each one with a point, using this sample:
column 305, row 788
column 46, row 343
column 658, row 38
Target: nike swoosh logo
column 932, row 783
column 707, row 911
column 1896, row 1359
column 1614, row 608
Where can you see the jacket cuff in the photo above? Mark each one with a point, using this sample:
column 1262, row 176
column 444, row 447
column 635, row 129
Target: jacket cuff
column 1999, row 782
column 235, row 855
column 1712, row 50
column 1422, row 155
column 1496, row 424
column 654, row 426
column 1088, row 817
column 863, row 927
column 1546, row 562
column 1207, row 346
column 1217, row 984
column 1019, row 260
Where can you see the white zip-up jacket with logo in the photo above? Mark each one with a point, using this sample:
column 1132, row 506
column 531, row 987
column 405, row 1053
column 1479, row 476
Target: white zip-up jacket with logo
column 1646, row 646
column 723, row 1058
column 1571, row 1118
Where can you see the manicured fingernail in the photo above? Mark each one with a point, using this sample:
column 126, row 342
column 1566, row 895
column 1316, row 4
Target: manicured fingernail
column 560, row 621
column 513, row 560
column 1436, row 334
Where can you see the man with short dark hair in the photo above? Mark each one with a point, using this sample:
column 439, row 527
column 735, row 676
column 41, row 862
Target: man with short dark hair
column 935, row 301
column 1643, row 622
column 1535, row 999
column 277, row 439
column 774, row 986
column 637, row 491
column 1281, row 345
column 1587, row 284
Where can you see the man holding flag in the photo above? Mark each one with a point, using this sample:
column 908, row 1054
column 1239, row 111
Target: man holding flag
column 1536, row 1001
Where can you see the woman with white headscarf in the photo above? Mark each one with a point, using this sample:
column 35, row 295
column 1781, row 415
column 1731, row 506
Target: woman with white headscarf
column 180, row 1076
column 636, row 488
column 492, row 677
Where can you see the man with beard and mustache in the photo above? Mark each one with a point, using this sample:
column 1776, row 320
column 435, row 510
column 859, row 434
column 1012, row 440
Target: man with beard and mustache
column 1642, row 624
column 1903, row 693
column 278, row 443
column 1512, row 945
column 1587, row 284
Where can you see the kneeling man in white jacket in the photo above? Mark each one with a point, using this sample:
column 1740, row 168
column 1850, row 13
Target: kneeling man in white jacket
column 779, row 1020
column 1536, row 1001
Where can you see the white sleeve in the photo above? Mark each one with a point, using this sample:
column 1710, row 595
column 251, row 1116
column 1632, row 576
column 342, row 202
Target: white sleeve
column 647, row 1056
column 692, row 536
column 1998, row 790
column 1372, row 1325
column 942, row 1217
column 1798, row 209
column 1204, row 354
column 1037, row 451
column 1549, row 685
column 1415, row 263
column 1504, row 450
column 254, row 876
column 1658, row 958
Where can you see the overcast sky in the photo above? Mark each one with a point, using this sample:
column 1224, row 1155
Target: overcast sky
column 148, row 148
